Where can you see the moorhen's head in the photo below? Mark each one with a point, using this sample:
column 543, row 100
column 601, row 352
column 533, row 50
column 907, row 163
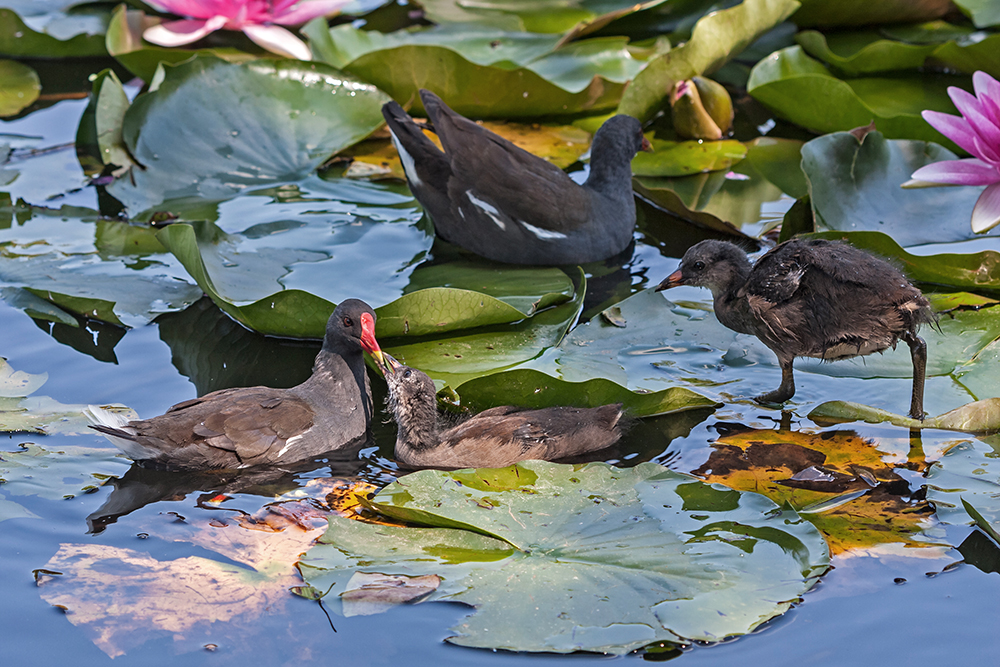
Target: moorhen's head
column 412, row 397
column 352, row 326
column 716, row 265
column 621, row 135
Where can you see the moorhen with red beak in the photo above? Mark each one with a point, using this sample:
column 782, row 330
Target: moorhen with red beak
column 254, row 426
column 493, row 438
column 499, row 201
column 812, row 298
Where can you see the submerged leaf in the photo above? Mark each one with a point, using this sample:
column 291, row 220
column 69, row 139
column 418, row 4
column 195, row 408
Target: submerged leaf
column 967, row 473
column 582, row 558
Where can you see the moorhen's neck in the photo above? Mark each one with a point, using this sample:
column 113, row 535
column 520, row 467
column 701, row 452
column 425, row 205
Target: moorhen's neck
column 329, row 367
column 728, row 276
column 416, row 419
column 610, row 167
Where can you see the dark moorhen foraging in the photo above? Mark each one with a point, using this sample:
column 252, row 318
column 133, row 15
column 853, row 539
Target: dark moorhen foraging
column 253, row 426
column 812, row 298
column 493, row 438
column 503, row 203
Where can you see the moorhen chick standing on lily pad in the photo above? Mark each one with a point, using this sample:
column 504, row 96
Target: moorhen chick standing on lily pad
column 493, row 438
column 253, row 426
column 812, row 298
column 499, row 201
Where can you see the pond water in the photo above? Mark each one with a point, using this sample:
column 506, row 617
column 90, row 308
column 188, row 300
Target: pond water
column 886, row 604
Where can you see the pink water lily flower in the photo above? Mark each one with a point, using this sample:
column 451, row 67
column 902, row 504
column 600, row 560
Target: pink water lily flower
column 260, row 20
column 976, row 131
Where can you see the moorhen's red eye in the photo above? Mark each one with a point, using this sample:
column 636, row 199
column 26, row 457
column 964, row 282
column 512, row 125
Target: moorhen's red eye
column 348, row 322
column 698, row 266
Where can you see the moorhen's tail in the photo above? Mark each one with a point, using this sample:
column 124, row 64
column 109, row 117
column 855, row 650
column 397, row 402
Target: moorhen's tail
column 114, row 427
column 422, row 161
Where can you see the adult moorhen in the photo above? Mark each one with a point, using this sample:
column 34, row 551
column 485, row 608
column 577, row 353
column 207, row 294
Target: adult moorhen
column 499, row 201
column 253, row 426
column 493, row 438
column 811, row 298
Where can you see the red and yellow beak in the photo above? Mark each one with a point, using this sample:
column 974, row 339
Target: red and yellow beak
column 673, row 280
column 368, row 341
column 646, row 145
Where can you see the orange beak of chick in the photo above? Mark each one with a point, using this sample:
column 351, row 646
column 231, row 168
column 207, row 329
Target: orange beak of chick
column 673, row 280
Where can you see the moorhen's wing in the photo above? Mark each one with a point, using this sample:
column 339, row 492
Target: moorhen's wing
column 492, row 176
column 229, row 428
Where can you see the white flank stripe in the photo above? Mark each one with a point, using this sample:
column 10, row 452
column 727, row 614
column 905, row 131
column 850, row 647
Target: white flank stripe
column 542, row 233
column 487, row 208
column 288, row 443
column 409, row 168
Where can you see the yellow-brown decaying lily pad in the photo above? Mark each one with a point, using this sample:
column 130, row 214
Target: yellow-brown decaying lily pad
column 805, row 469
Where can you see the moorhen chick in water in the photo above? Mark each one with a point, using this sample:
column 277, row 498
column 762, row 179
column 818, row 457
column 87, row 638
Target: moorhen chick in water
column 499, row 201
column 493, row 438
column 811, row 298
column 253, row 426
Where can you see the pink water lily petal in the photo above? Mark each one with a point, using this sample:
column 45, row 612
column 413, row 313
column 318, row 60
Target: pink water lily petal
column 306, row 11
column 988, row 91
column 278, row 40
column 988, row 152
column 971, row 110
column 986, row 213
column 185, row 31
column 970, row 171
column 199, row 9
column 955, row 128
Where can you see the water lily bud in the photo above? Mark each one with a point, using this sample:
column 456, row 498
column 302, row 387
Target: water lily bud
column 702, row 109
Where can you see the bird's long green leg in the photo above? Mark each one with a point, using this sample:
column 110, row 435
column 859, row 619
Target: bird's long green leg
column 787, row 387
column 918, row 353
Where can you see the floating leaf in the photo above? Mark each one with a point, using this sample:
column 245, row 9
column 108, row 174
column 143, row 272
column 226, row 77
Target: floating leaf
column 681, row 158
column 548, row 16
column 483, row 73
column 977, row 417
column 854, row 186
column 19, row 86
column 58, row 474
column 864, row 52
column 865, row 12
column 242, row 284
column 100, row 130
column 599, row 558
column 968, row 473
column 984, row 13
column 824, row 476
column 715, row 39
column 51, row 30
column 803, row 91
column 294, row 116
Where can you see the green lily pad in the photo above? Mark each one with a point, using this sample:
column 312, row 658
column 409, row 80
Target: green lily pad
column 251, row 281
column 780, row 162
column 484, row 73
column 454, row 359
column 984, row 13
column 293, row 116
column 969, row 472
column 868, row 51
column 599, row 559
column 865, row 52
column 855, row 186
column 977, row 417
column 682, row 158
column 969, row 271
column 547, row 16
column 125, row 43
column 716, row 39
column 805, row 92
column 35, row 29
column 58, row 474
column 100, row 269
column 823, row 13
column 19, row 86
column 99, row 134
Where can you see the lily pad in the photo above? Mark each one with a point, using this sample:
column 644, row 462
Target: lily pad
column 599, row 559
column 35, row 29
column 983, row 13
column 19, row 86
column 293, row 116
column 969, row 472
column 483, row 73
column 100, row 269
column 716, row 39
column 547, row 16
column 58, row 474
column 805, row 92
column 100, row 131
column 682, row 158
column 863, row 12
column 854, row 186
column 250, row 283
column 836, row 479
column 976, row 417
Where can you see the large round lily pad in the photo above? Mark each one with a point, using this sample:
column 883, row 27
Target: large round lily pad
column 970, row 471
column 561, row 558
column 255, row 124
